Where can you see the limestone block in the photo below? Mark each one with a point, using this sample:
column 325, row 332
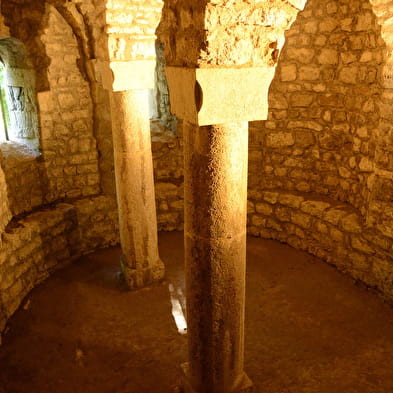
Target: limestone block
column 336, row 235
column 45, row 101
column 127, row 75
column 304, row 138
column 264, row 208
column 328, row 25
column 258, row 221
column 309, row 124
column 301, row 99
column 280, row 139
column 382, row 269
column 348, row 75
column 301, row 219
column 277, row 101
column 314, row 208
column 328, row 56
column 290, row 200
column 283, row 213
column 302, row 55
column 351, row 223
column 270, row 197
column 273, row 224
column 309, row 73
column 288, row 73
column 165, row 190
column 334, row 215
column 361, row 245
column 250, row 207
column 366, row 165
column 365, row 22
column 206, row 96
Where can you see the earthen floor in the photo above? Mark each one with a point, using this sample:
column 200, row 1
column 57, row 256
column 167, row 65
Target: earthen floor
column 308, row 329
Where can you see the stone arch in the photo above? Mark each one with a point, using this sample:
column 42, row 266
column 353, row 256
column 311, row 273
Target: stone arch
column 19, row 85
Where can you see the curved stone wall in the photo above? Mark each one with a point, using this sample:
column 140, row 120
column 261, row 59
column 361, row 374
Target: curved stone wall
column 36, row 245
column 316, row 180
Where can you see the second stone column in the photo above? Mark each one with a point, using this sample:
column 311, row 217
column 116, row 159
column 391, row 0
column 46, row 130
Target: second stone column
column 215, row 256
column 135, row 187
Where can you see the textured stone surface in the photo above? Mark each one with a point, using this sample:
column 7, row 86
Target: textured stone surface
column 135, row 188
column 324, row 133
column 215, row 255
column 206, row 96
column 46, row 240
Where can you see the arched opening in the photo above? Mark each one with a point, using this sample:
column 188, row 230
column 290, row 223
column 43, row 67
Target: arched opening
column 19, row 119
column 161, row 118
column 4, row 112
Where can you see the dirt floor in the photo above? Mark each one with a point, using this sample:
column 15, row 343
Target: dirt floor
column 308, row 329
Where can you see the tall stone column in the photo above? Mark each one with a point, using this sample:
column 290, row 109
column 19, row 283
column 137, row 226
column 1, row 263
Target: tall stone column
column 135, row 187
column 221, row 59
column 215, row 253
column 126, row 66
column 216, row 114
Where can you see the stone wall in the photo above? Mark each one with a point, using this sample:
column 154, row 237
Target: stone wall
column 323, row 122
column 168, row 175
column 314, row 178
column 66, row 113
column 34, row 246
column 331, row 230
column 22, row 169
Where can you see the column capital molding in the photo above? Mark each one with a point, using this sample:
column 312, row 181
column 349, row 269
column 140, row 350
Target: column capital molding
column 206, row 96
column 127, row 75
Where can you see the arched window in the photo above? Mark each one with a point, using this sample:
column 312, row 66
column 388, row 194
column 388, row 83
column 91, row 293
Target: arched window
column 160, row 114
column 4, row 113
column 19, row 119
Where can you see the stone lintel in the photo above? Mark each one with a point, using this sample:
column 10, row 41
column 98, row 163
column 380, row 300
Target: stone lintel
column 207, row 96
column 243, row 385
column 127, row 75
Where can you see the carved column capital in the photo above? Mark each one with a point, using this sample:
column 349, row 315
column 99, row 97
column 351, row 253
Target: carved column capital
column 127, row 75
column 206, row 96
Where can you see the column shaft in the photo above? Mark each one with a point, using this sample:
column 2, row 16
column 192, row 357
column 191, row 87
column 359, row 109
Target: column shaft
column 215, row 252
column 135, row 187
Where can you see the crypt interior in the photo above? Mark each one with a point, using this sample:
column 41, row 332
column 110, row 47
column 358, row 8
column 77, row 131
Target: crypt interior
column 149, row 148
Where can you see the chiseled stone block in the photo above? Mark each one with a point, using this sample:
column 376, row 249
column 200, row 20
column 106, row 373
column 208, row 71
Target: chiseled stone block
column 127, row 75
column 206, row 96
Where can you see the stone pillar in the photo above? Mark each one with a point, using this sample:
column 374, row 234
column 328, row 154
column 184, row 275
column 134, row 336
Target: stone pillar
column 215, row 253
column 216, row 113
column 128, row 84
column 135, row 187
column 220, row 62
column 126, row 65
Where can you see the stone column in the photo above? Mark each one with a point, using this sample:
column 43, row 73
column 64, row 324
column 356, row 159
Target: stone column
column 135, row 187
column 216, row 113
column 215, row 253
column 126, row 65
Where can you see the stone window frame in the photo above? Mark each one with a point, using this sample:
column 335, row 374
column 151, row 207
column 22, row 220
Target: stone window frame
column 162, row 121
column 3, row 121
column 20, row 95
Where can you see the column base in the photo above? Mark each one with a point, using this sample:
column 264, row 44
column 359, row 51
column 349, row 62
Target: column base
column 139, row 278
column 243, row 385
